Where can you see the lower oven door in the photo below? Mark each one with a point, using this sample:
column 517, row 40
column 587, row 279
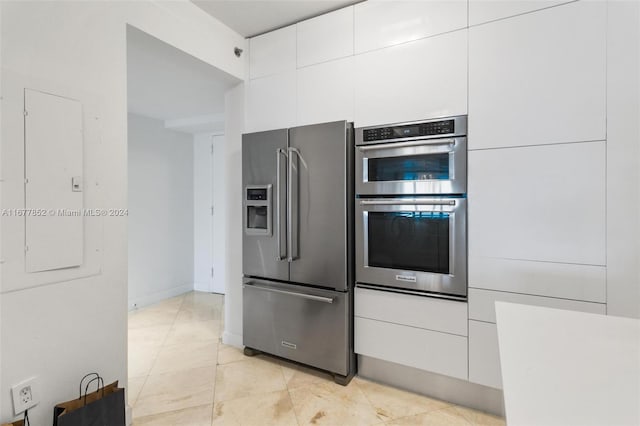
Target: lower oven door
column 415, row 244
column 303, row 324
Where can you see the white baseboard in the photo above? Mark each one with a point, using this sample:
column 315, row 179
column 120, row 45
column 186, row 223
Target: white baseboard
column 128, row 416
column 206, row 287
column 232, row 339
column 159, row 296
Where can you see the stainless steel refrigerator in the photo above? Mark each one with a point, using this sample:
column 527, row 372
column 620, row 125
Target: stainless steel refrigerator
column 298, row 242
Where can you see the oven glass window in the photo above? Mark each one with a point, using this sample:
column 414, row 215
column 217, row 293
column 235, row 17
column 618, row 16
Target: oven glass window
column 414, row 241
column 416, row 167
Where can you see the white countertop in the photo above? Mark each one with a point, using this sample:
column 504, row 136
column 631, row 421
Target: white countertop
column 568, row 368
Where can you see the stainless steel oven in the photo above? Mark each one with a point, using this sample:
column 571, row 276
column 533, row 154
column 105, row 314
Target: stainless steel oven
column 413, row 244
column 413, row 158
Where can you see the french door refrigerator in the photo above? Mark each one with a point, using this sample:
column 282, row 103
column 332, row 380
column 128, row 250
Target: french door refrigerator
column 298, row 242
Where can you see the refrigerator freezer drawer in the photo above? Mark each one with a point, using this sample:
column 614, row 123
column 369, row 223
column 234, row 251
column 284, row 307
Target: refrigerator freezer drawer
column 299, row 323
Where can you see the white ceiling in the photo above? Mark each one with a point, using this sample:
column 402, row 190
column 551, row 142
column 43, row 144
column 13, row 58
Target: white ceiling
column 253, row 17
column 168, row 84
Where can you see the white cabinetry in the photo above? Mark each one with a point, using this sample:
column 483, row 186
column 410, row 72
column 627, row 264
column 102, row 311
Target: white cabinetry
column 543, row 203
column 421, row 332
column 484, row 359
column 415, row 347
column 422, row 79
column 484, row 356
column 325, row 38
column 273, row 53
column 271, row 102
column 325, row 92
column 448, row 316
column 482, row 303
column 381, row 24
column 539, row 78
column 489, row 10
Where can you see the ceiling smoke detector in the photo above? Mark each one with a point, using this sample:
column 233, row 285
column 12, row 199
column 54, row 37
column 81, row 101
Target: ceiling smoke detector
column 237, row 51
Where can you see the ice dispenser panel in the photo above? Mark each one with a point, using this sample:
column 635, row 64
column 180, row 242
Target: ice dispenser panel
column 258, row 210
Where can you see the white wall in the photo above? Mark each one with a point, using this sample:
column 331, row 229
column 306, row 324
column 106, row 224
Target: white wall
column 234, row 127
column 160, row 211
column 71, row 327
column 210, row 190
column 220, row 189
column 202, row 223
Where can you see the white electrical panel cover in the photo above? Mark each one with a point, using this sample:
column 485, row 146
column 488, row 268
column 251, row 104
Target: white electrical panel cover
column 53, row 182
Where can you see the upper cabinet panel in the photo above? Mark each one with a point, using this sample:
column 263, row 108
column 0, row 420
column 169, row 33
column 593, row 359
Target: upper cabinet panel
column 380, row 24
column 325, row 92
column 422, row 79
column 538, row 78
column 326, row 37
column 273, row 53
column 481, row 11
column 271, row 102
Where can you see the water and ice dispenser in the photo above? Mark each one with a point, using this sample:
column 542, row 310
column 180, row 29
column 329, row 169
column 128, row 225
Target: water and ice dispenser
column 258, row 210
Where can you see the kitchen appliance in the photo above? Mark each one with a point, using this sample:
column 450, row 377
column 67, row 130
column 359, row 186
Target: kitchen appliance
column 413, row 244
column 298, row 261
column 420, row 157
column 411, row 207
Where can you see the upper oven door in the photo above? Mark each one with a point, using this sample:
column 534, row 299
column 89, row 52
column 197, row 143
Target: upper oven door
column 416, row 244
column 412, row 167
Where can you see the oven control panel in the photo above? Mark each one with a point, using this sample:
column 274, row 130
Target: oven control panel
column 433, row 128
column 437, row 128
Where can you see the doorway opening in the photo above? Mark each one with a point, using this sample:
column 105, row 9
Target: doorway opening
column 176, row 221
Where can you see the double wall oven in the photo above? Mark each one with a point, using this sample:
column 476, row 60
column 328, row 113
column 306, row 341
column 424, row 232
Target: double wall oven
column 411, row 207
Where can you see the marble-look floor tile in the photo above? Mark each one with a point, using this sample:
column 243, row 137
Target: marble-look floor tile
column 268, row 409
column 141, row 360
column 228, row 354
column 195, row 416
column 188, row 332
column 198, row 313
column 327, row 403
column 150, row 317
column 134, row 386
column 174, row 391
column 445, row 417
column 148, row 336
column 249, row 377
column 391, row 403
column 296, row 375
column 479, row 418
column 182, row 357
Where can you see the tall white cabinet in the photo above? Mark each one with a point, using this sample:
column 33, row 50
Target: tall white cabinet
column 532, row 77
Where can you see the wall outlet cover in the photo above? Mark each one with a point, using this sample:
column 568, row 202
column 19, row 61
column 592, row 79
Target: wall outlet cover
column 25, row 395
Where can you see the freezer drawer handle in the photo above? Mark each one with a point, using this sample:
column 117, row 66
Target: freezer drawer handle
column 293, row 293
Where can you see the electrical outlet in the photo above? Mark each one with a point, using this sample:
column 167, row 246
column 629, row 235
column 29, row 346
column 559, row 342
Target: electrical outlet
column 25, row 395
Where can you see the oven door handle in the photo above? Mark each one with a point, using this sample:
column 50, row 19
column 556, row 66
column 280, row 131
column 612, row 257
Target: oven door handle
column 393, row 145
column 401, row 201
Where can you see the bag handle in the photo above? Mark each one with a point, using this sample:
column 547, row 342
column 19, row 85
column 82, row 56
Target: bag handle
column 83, row 379
column 86, row 389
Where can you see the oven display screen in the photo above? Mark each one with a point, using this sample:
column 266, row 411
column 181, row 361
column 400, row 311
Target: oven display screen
column 406, row 131
column 412, row 241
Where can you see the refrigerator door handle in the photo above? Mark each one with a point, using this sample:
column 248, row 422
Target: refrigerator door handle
column 292, row 203
column 292, row 293
column 279, row 153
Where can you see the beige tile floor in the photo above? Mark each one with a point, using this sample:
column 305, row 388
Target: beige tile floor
column 181, row 374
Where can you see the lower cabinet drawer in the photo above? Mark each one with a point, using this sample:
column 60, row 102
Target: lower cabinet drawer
column 484, row 357
column 303, row 324
column 414, row 347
